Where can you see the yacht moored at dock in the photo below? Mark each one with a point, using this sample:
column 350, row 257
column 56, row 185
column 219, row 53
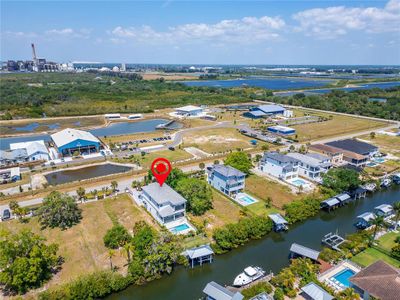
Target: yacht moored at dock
column 248, row 275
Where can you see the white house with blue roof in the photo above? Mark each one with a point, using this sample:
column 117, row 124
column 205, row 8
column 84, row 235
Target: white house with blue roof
column 226, row 179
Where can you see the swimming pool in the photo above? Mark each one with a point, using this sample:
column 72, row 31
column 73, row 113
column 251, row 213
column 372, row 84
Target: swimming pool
column 379, row 160
column 179, row 228
column 343, row 277
column 244, row 199
column 299, row 182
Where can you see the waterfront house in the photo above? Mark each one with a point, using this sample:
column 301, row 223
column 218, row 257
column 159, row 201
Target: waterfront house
column 354, row 159
column 335, row 154
column 35, row 150
column 356, row 146
column 297, row 250
column 70, row 141
column 280, row 223
column 383, row 210
column 364, row 220
column 280, row 166
column 312, row 291
column 214, row 291
column 163, row 203
column 377, row 281
column 309, row 166
column 226, row 179
column 189, row 111
column 324, row 160
column 199, row 255
column 281, row 130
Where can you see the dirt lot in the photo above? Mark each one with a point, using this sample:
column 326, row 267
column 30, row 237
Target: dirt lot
column 82, row 245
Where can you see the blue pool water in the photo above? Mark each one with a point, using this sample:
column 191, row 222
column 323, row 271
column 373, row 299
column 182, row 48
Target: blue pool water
column 298, row 182
column 179, row 228
column 247, row 199
column 379, row 160
column 343, row 277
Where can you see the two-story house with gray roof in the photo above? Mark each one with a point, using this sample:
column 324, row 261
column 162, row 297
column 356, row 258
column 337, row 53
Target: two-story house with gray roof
column 226, row 179
column 279, row 165
column 164, row 204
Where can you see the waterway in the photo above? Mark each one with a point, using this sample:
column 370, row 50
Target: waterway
column 117, row 128
column 267, row 83
column 65, row 176
column 271, row 253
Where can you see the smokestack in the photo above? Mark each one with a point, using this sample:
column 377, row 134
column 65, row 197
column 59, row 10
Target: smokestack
column 33, row 52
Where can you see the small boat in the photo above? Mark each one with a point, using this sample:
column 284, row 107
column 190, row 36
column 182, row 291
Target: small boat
column 396, row 178
column 248, row 275
column 386, row 182
column 370, row 187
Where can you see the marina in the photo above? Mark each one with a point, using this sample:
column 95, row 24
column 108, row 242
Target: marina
column 270, row 253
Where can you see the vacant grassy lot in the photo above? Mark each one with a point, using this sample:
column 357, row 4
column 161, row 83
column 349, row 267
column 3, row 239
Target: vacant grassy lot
column 138, row 136
column 224, row 211
column 338, row 125
column 172, row 156
column 388, row 166
column 24, row 126
column 263, row 188
column 386, row 143
column 387, row 241
column 371, row 255
column 216, row 140
column 82, row 245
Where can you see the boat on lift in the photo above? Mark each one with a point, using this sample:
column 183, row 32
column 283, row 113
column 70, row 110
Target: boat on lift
column 248, row 275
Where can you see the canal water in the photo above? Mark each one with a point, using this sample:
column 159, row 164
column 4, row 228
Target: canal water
column 267, row 83
column 65, row 176
column 271, row 253
column 118, row 128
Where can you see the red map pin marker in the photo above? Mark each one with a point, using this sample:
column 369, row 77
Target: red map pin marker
column 161, row 168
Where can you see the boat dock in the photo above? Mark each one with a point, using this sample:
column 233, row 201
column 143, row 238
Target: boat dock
column 165, row 125
column 265, row 278
column 333, row 240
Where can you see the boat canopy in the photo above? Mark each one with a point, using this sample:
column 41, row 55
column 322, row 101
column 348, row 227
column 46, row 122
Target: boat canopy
column 278, row 219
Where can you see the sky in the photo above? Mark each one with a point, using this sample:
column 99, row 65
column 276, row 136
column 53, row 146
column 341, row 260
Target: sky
column 204, row 32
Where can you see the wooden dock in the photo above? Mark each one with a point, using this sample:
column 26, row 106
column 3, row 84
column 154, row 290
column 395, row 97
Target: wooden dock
column 266, row 278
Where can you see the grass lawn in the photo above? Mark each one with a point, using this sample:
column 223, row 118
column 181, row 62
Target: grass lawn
column 82, row 245
column 224, row 211
column 195, row 241
column 371, row 255
column 172, row 156
column 338, row 125
column 386, row 143
column 216, row 140
column 388, row 166
column 263, row 188
column 387, row 241
column 260, row 209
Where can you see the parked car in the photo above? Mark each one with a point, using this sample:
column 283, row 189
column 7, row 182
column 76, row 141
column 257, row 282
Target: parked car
column 171, row 148
column 6, row 215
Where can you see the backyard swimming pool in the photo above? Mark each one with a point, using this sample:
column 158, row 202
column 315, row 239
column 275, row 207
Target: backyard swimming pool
column 244, row 199
column 179, row 228
column 298, row 182
column 343, row 277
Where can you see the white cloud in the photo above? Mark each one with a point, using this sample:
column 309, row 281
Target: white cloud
column 331, row 22
column 246, row 30
column 68, row 33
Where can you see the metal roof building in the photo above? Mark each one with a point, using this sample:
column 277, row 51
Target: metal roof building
column 355, row 146
column 299, row 250
column 199, row 255
column 315, row 292
column 214, row 291
column 69, row 141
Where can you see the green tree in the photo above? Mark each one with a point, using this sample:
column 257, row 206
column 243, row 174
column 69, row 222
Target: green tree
column 372, row 135
column 174, row 177
column 143, row 237
column 197, row 193
column 341, row 179
column 114, row 185
column 59, row 210
column 25, row 261
column 202, row 166
column 278, row 294
column 111, row 254
column 81, row 193
column 240, row 161
column 378, row 222
column 396, row 208
column 348, row 294
column 116, row 237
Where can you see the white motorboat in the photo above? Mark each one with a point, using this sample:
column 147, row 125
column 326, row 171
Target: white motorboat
column 386, row 182
column 370, row 187
column 248, row 275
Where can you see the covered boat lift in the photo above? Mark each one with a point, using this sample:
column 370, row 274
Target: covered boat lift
column 383, row 210
column 330, row 204
column 333, row 240
column 280, row 223
column 297, row 250
column 199, row 255
column 364, row 220
column 344, row 198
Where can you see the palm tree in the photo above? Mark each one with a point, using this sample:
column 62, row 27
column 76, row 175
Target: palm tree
column 349, row 294
column 114, row 185
column 128, row 249
column 396, row 208
column 378, row 222
column 81, row 193
column 111, row 254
